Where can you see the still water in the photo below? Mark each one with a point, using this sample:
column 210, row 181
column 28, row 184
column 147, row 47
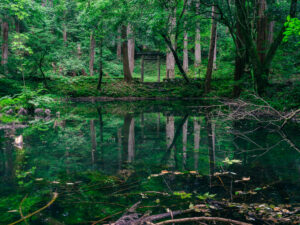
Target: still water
column 102, row 158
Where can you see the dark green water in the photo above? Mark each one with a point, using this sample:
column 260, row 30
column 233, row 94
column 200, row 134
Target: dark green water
column 102, row 158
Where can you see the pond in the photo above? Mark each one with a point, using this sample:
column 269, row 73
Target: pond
column 102, row 158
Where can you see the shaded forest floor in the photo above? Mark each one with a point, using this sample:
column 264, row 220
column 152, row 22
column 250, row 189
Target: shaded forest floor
column 281, row 95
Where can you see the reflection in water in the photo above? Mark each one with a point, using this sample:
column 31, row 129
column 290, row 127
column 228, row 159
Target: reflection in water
column 19, row 142
column 196, row 143
column 129, row 137
column 93, row 140
column 184, row 144
column 101, row 149
column 170, row 133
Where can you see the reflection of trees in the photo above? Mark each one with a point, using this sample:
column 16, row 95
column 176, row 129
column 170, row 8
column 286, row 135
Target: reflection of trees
column 196, row 143
column 170, row 132
column 171, row 138
column 158, row 124
column 184, row 143
column 210, row 127
column 143, row 127
column 93, row 139
column 129, row 137
column 119, row 148
column 8, row 155
column 99, row 110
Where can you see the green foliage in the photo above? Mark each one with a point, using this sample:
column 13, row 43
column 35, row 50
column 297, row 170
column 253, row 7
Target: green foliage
column 28, row 99
column 292, row 28
column 206, row 196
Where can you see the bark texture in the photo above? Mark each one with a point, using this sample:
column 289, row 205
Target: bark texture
column 5, row 28
column 126, row 64
column 92, row 53
column 119, row 44
column 131, row 47
column 198, row 58
column 170, row 61
column 211, row 52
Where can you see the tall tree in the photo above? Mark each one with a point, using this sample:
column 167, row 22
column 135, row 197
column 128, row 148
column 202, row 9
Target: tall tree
column 170, row 61
column 211, row 51
column 260, row 55
column 198, row 58
column 131, row 47
column 119, row 44
column 125, row 53
column 92, row 53
column 5, row 28
column 185, row 43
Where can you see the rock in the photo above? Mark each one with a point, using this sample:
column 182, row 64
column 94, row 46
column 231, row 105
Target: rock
column 22, row 111
column 48, row 112
column 39, row 111
column 9, row 112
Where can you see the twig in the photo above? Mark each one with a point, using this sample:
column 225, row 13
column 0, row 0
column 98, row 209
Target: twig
column 55, row 195
column 96, row 222
column 289, row 117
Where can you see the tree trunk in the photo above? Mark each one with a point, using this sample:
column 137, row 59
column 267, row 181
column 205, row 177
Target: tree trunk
column 126, row 65
column 131, row 47
column 198, row 58
column 142, row 67
column 185, row 53
column 158, row 68
column 178, row 63
column 185, row 44
column 262, row 30
column 119, row 44
column 92, row 53
column 100, row 64
column 170, row 61
column 271, row 32
column 4, row 58
column 211, row 52
column 240, row 61
column 65, row 34
column 215, row 52
column 79, row 53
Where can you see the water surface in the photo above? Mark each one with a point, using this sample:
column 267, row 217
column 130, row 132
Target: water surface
column 101, row 158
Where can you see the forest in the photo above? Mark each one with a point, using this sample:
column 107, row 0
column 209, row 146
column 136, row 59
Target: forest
column 134, row 112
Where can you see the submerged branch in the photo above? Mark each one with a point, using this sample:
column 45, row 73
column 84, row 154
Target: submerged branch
column 55, row 195
column 193, row 219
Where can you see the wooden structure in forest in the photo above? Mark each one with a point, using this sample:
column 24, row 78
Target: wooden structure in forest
column 150, row 56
